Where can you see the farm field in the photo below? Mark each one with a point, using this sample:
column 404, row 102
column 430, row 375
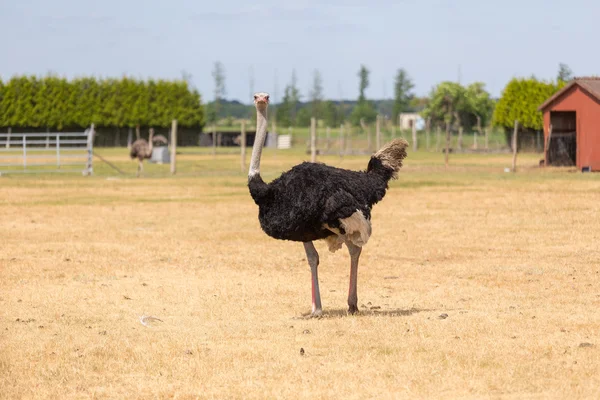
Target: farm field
column 476, row 284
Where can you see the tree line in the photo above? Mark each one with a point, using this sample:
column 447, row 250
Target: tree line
column 295, row 109
column 470, row 107
column 57, row 103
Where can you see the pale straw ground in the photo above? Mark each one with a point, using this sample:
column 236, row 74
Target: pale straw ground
column 475, row 284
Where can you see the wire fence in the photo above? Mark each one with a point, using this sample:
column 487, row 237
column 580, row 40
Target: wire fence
column 348, row 140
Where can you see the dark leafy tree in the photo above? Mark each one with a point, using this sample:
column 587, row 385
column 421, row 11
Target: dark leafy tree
column 564, row 73
column 316, row 94
column 331, row 114
column 450, row 101
column 218, row 74
column 364, row 109
column 287, row 110
column 403, row 95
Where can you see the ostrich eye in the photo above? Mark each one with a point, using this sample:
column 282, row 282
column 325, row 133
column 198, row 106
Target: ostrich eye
column 255, row 96
column 267, row 98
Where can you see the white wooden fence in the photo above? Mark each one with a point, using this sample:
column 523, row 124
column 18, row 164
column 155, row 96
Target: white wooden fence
column 47, row 152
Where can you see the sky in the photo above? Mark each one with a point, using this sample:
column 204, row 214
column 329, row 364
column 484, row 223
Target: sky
column 433, row 40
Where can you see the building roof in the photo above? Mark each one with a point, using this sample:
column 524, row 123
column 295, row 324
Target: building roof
column 589, row 84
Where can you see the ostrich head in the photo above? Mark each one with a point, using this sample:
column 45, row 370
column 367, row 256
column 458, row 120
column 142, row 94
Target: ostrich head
column 261, row 100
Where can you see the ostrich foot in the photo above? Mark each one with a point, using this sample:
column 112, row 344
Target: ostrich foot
column 353, row 309
column 317, row 314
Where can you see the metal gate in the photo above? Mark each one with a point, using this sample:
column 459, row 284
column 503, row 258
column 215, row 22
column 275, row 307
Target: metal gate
column 47, row 152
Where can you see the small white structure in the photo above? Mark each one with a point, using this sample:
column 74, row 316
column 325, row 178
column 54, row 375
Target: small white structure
column 160, row 155
column 407, row 120
column 160, row 150
column 284, row 142
column 271, row 140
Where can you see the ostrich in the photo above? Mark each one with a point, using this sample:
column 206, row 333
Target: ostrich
column 141, row 149
column 160, row 140
column 314, row 201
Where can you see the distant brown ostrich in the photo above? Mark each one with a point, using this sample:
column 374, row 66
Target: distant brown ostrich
column 141, row 149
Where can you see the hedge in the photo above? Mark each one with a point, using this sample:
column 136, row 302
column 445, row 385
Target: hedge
column 57, row 103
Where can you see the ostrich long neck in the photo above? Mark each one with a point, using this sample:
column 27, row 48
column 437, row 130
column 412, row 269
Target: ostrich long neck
column 259, row 140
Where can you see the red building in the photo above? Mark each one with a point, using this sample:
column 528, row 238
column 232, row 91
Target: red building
column 572, row 125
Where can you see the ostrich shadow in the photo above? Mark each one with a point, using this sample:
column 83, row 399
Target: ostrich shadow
column 343, row 312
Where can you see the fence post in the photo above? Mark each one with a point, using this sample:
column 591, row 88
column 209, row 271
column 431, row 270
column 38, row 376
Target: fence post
column 427, row 129
column 547, row 147
column 90, row 152
column 478, row 130
column 447, row 142
column 129, row 137
column 90, row 142
column 214, row 140
column 313, row 139
column 400, row 123
column 348, row 139
column 342, row 140
column 173, row 146
column 366, row 129
column 514, row 144
column 414, row 135
column 8, row 138
column 486, row 131
column 24, row 151
column 378, row 132
column 58, row 150
column 243, row 146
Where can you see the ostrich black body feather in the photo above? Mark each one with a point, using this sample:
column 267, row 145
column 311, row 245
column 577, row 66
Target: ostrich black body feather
column 297, row 205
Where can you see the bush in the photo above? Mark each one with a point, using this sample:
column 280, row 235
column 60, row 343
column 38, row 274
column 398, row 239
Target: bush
column 53, row 102
column 520, row 101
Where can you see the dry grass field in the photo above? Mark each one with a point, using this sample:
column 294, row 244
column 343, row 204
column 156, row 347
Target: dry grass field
column 476, row 284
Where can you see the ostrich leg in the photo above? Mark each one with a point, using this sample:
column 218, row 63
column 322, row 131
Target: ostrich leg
column 313, row 260
column 352, row 291
column 140, row 168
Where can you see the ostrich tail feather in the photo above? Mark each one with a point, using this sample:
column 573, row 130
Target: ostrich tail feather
column 389, row 157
